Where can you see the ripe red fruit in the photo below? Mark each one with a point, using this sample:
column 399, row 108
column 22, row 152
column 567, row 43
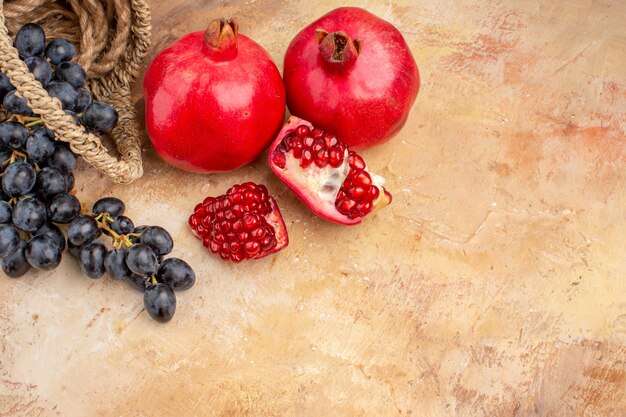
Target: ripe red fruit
column 244, row 223
column 351, row 73
column 214, row 100
column 327, row 176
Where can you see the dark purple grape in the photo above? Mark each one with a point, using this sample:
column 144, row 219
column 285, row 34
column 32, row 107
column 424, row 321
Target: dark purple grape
column 115, row 263
column 177, row 274
column 64, row 208
column 64, row 92
column 60, row 50
column 83, row 100
column 29, row 214
column 40, row 68
column 160, row 302
column 30, row 40
column 137, row 282
column 73, row 249
column 5, row 85
column 70, row 181
column 62, row 159
column 9, row 239
column 122, row 225
column 16, row 104
column 15, row 264
column 52, row 230
column 141, row 260
column 91, row 259
column 13, row 135
column 43, row 253
column 71, row 73
column 5, row 212
column 99, row 117
column 18, row 179
column 158, row 239
column 40, row 145
column 83, row 229
column 50, row 182
column 114, row 207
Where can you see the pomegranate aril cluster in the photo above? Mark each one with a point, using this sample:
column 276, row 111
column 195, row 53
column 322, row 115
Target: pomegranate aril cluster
column 311, row 146
column 357, row 194
column 235, row 225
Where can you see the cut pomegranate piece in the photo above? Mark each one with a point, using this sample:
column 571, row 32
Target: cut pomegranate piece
column 331, row 179
column 244, row 223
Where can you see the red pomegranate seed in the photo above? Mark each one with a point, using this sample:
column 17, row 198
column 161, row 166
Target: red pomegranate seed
column 318, row 144
column 357, row 192
column 316, row 133
column 335, row 158
column 321, row 158
column 355, row 161
column 345, row 206
column 373, row 192
column 252, row 248
column 306, row 159
column 234, row 247
column 279, row 158
column 302, row 131
column 361, row 178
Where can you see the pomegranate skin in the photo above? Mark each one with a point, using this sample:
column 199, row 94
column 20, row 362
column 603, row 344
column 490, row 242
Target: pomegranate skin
column 365, row 97
column 213, row 109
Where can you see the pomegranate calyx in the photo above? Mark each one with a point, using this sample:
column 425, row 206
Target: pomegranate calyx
column 338, row 50
column 221, row 38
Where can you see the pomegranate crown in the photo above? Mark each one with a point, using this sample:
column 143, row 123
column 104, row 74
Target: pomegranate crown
column 338, row 50
column 221, row 38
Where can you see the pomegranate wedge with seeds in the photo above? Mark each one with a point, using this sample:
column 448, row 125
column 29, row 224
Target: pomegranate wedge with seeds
column 331, row 179
column 244, row 223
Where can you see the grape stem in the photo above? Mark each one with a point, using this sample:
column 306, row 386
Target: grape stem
column 14, row 155
column 119, row 241
column 34, row 123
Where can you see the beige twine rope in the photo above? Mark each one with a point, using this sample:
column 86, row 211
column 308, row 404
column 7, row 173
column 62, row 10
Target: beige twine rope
column 114, row 36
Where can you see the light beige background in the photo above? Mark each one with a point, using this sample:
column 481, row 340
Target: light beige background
column 492, row 286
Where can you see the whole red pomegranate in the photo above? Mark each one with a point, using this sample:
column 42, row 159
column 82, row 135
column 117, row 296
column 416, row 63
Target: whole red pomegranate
column 351, row 73
column 214, row 100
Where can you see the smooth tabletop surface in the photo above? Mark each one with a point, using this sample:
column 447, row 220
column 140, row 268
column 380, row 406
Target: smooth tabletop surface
column 494, row 285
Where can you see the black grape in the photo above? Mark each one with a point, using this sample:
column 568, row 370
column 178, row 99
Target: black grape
column 60, row 50
column 83, row 229
column 13, row 135
column 29, row 214
column 91, row 259
column 30, row 40
column 9, row 239
column 177, row 274
column 71, row 73
column 160, row 302
column 64, row 208
column 18, row 179
column 40, row 68
column 15, row 264
column 43, row 253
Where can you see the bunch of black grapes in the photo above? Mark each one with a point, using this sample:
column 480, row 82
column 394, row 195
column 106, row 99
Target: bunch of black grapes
column 38, row 206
